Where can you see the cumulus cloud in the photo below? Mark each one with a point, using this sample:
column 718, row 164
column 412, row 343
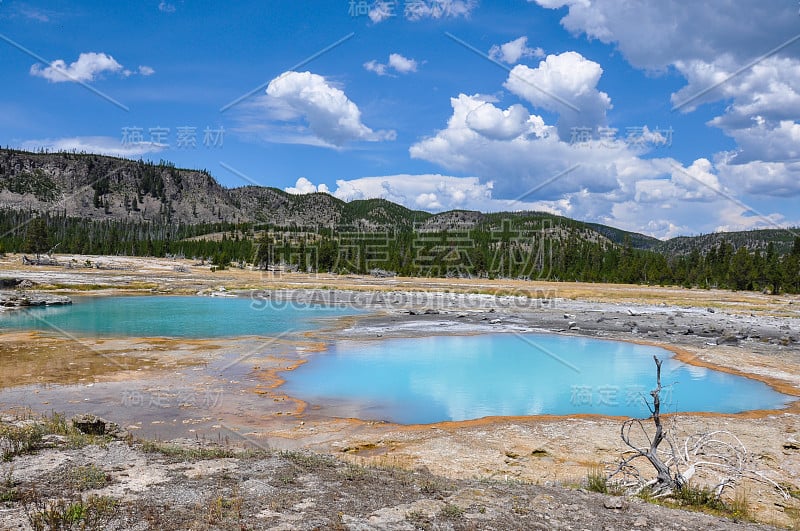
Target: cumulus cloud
column 772, row 179
column 497, row 124
column 713, row 48
column 512, row 51
column 519, row 152
column 101, row 145
column 329, row 114
column 431, row 192
column 397, row 63
column 402, row 64
column 374, row 66
column 761, row 117
column 654, row 34
column 428, row 191
column 88, row 66
column 662, row 206
column 565, row 84
column 605, row 181
column 304, row 186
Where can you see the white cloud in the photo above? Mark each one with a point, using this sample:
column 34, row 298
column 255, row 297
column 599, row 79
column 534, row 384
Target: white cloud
column 101, row 145
column 765, row 102
column 654, row 34
column 431, row 192
column 608, row 182
column 31, row 13
column 402, row 64
column 761, row 118
column 304, row 186
column 88, row 66
column 563, row 83
column 695, row 183
column 771, row 179
column 498, row 124
column 519, row 152
column 375, row 66
column 397, row 62
column 769, row 88
column 427, row 191
column 330, row 115
column 712, row 46
column 511, row 52
column 166, row 7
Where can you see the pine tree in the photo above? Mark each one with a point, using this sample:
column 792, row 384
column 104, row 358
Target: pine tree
column 37, row 239
column 740, row 271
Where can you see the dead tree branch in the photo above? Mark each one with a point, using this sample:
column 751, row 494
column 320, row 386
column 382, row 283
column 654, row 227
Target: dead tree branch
column 720, row 455
column 668, row 478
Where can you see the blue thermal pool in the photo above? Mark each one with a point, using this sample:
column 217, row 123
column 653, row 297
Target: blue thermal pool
column 441, row 378
column 174, row 316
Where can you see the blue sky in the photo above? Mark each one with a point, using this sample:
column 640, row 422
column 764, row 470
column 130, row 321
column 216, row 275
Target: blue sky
column 660, row 116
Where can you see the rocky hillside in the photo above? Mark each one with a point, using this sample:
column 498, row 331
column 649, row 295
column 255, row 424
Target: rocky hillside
column 782, row 239
column 98, row 187
column 107, row 188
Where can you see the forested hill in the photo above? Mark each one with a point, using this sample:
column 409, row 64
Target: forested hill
column 95, row 204
column 104, row 188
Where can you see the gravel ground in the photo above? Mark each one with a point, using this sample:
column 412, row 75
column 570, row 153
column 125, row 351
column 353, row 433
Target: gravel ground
column 177, row 489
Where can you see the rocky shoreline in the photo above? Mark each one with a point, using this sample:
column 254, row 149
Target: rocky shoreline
column 16, row 293
column 25, row 299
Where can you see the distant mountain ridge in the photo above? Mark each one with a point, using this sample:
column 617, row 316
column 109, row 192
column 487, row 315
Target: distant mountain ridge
column 100, row 187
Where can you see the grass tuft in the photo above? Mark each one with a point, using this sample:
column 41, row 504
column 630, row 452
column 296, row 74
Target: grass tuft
column 597, row 480
column 451, row 511
column 18, row 440
column 185, row 453
column 94, row 512
column 87, row 477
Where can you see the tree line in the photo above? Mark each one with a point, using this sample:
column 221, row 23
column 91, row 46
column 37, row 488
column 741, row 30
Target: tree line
column 539, row 253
